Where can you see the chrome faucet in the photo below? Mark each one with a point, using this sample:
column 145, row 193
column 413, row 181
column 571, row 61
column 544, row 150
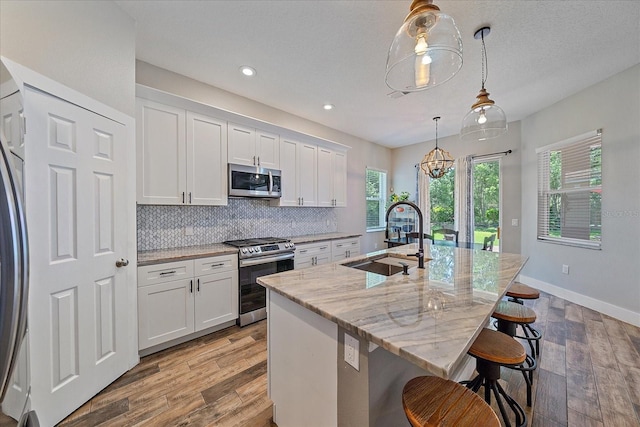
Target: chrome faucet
column 420, row 254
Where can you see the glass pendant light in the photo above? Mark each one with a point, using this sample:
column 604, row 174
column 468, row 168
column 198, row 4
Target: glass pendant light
column 426, row 51
column 485, row 120
column 436, row 162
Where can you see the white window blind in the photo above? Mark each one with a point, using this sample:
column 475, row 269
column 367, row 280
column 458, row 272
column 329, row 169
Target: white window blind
column 570, row 191
column 376, row 197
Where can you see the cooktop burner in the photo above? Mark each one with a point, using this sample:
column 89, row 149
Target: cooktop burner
column 263, row 246
column 256, row 242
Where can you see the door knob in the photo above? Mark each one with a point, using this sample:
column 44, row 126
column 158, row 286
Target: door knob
column 122, row 262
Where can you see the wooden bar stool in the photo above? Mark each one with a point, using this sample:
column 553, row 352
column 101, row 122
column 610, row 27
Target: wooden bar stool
column 434, row 401
column 508, row 316
column 493, row 349
column 518, row 292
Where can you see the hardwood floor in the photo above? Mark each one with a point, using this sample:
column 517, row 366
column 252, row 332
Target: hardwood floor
column 588, row 375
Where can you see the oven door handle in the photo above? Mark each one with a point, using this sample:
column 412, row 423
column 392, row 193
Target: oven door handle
column 264, row 260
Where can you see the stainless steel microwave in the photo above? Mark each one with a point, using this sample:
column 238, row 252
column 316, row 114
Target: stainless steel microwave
column 251, row 181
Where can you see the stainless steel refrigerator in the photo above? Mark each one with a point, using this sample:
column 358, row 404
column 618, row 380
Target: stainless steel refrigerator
column 14, row 281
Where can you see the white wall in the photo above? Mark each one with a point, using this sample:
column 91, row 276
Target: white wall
column 362, row 153
column 608, row 279
column 88, row 46
column 404, row 178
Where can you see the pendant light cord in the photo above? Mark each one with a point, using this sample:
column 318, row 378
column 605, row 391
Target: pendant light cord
column 436, row 120
column 485, row 63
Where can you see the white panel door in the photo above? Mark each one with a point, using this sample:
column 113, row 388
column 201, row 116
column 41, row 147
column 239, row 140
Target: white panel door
column 11, row 123
column 78, row 310
column 325, row 177
column 289, row 168
column 340, row 179
column 216, row 299
column 241, row 145
column 268, row 149
column 160, row 142
column 165, row 312
column 307, row 174
column 206, row 160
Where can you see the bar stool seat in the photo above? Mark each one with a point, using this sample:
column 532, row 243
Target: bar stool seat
column 520, row 291
column 493, row 349
column 509, row 315
column 434, row 401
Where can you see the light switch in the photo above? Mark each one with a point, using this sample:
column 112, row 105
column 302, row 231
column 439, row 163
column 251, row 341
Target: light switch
column 514, row 222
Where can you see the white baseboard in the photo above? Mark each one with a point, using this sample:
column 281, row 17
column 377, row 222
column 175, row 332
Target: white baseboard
column 603, row 307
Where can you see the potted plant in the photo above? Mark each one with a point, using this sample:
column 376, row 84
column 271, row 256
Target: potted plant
column 399, row 198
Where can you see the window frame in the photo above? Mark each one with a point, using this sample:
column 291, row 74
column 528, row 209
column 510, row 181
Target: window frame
column 545, row 192
column 381, row 198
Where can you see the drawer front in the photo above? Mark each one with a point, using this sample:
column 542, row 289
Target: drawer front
column 165, row 272
column 215, row 264
column 312, row 249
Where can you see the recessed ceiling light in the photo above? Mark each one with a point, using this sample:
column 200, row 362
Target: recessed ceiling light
column 328, row 106
column 247, row 71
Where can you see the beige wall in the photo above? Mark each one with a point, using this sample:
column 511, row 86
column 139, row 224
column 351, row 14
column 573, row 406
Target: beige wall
column 362, row 153
column 88, row 46
column 404, row 178
column 610, row 276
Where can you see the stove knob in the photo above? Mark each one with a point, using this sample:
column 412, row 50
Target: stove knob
column 250, row 250
column 257, row 249
column 243, row 250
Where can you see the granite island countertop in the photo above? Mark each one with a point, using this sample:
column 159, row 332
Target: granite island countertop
column 429, row 317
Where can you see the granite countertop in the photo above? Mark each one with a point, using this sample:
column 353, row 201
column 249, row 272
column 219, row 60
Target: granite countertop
column 312, row 238
column 214, row 249
column 429, row 317
column 181, row 254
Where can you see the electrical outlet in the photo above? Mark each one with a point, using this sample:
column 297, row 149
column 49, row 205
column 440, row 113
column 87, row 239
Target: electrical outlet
column 565, row 269
column 514, row 222
column 188, row 230
column 352, row 351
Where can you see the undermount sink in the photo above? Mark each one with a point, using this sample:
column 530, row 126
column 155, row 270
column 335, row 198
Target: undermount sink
column 383, row 264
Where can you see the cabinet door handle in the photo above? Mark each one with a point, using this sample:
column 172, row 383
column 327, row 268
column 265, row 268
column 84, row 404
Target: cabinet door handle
column 303, row 251
column 183, row 197
column 198, row 285
column 254, row 160
column 217, row 265
column 303, row 201
column 189, row 197
column 191, row 286
column 258, row 160
column 323, row 248
column 164, row 273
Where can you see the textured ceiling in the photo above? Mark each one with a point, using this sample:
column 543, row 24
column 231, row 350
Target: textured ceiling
column 308, row 53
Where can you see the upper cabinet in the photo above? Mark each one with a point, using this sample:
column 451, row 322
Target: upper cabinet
column 253, row 147
column 182, row 156
column 299, row 174
column 312, row 175
column 332, row 178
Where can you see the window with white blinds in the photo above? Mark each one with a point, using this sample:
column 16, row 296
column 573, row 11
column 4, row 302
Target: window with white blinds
column 376, row 198
column 570, row 191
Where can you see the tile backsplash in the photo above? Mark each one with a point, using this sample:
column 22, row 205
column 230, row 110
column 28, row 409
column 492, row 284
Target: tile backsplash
column 162, row 227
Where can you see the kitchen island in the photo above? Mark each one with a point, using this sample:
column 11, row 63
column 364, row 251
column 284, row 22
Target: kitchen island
column 396, row 327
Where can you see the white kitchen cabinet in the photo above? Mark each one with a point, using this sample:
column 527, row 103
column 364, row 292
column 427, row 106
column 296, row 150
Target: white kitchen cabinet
column 332, row 178
column 345, row 248
column 182, row 156
column 179, row 298
column 253, row 147
column 299, row 174
column 310, row 254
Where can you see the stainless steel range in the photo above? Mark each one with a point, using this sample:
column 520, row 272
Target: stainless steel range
column 256, row 258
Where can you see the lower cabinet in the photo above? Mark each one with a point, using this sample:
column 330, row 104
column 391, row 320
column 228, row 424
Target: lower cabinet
column 345, row 248
column 310, row 254
column 179, row 298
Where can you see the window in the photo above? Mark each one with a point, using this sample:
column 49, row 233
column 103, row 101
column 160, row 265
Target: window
column 442, row 202
column 376, row 197
column 570, row 191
